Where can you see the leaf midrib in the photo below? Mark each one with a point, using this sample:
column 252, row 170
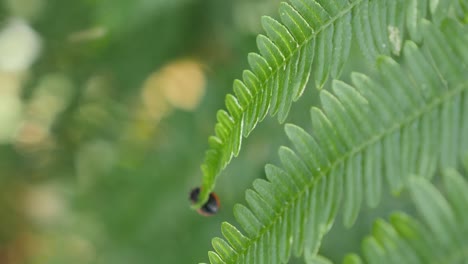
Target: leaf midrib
column 438, row 101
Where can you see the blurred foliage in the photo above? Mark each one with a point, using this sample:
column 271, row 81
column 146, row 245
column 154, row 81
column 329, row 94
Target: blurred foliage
column 104, row 123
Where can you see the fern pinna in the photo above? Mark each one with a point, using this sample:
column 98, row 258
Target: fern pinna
column 410, row 117
column 279, row 75
column 312, row 34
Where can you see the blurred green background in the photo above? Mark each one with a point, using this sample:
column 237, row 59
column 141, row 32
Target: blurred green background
column 105, row 111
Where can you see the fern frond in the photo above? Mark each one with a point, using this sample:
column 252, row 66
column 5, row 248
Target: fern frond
column 442, row 238
column 313, row 34
column 409, row 119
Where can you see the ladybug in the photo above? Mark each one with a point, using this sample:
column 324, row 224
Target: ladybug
column 210, row 208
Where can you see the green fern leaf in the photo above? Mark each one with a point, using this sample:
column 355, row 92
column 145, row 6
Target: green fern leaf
column 416, row 11
column 310, row 34
column 381, row 127
column 215, row 258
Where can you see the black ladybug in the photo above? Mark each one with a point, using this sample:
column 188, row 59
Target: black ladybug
column 210, row 208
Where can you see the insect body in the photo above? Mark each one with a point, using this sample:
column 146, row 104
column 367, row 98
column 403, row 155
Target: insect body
column 211, row 207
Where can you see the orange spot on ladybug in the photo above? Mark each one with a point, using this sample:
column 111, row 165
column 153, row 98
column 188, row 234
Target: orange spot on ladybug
column 210, row 208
